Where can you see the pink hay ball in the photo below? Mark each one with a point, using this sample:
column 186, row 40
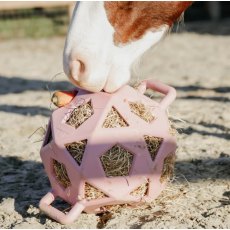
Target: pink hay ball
column 108, row 149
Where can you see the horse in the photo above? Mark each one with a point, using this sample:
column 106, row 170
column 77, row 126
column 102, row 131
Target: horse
column 106, row 41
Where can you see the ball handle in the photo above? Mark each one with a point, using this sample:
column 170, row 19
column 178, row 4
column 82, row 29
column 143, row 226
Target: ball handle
column 168, row 91
column 70, row 217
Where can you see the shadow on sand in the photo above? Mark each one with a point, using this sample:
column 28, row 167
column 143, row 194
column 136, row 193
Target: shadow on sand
column 18, row 84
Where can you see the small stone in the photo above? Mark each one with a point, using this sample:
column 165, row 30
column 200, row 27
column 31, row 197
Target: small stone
column 33, row 210
column 7, row 205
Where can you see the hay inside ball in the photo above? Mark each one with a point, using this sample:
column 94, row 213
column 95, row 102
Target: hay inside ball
column 168, row 168
column 117, row 161
column 114, row 120
column 153, row 145
column 141, row 190
column 141, row 111
column 77, row 149
column 92, row 193
column 61, row 174
column 80, row 114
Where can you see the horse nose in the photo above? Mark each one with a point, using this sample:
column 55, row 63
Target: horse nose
column 87, row 71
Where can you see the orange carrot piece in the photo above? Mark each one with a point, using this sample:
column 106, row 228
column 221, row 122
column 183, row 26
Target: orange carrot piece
column 62, row 98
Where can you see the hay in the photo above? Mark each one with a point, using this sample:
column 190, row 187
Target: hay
column 113, row 208
column 80, row 114
column 76, row 150
column 114, row 120
column 153, row 145
column 103, row 218
column 44, row 134
column 172, row 129
column 61, row 174
column 141, row 190
column 142, row 111
column 117, row 161
column 168, row 168
column 92, row 193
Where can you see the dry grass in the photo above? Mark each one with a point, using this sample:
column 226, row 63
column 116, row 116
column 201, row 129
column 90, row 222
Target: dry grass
column 168, row 168
column 80, row 114
column 141, row 190
column 61, row 174
column 114, row 120
column 172, row 129
column 117, row 161
column 114, row 208
column 77, row 149
column 92, row 193
column 153, row 144
column 142, row 111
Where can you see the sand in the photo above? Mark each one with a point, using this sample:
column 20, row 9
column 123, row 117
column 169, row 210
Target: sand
column 199, row 197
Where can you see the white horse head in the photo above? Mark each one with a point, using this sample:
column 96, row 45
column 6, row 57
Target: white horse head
column 106, row 41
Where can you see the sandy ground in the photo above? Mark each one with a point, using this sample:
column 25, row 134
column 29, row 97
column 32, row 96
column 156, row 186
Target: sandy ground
column 199, row 197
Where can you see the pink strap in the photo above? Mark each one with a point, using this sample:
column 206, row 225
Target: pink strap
column 170, row 92
column 71, row 216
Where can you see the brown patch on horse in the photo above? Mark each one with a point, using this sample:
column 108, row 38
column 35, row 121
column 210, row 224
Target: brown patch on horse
column 132, row 19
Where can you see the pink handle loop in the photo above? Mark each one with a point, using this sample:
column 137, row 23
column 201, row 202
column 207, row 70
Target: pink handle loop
column 168, row 91
column 70, row 217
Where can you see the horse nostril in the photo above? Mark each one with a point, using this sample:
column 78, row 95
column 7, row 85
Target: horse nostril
column 77, row 70
column 82, row 66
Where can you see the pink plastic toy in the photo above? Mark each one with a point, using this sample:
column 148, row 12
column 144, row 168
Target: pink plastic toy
column 89, row 184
